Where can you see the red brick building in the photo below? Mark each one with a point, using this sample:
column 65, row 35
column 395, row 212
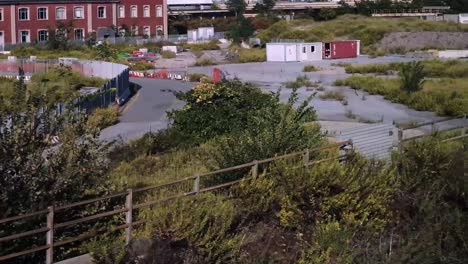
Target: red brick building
column 23, row 21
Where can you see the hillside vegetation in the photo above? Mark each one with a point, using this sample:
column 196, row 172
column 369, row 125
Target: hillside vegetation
column 367, row 29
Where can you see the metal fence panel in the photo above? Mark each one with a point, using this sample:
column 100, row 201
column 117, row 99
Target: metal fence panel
column 372, row 141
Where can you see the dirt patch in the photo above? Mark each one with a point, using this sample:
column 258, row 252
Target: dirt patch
column 407, row 41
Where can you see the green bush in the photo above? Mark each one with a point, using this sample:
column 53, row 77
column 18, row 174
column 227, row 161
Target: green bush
column 204, row 62
column 309, row 68
column 301, row 81
column 384, row 69
column 103, row 117
column 196, row 77
column 332, row 95
column 412, row 76
column 167, row 54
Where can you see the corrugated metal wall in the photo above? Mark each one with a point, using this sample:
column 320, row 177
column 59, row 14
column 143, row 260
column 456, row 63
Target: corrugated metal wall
column 371, row 141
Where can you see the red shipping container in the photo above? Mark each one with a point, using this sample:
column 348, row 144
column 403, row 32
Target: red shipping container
column 341, row 49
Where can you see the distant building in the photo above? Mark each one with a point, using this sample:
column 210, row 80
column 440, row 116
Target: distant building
column 25, row 21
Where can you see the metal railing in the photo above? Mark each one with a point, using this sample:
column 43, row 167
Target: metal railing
column 145, row 197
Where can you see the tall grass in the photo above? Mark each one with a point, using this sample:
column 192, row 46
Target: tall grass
column 445, row 97
column 432, row 68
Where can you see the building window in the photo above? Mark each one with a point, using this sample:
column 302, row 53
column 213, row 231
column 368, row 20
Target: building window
column 312, row 49
column 121, row 11
column 303, row 49
column 42, row 35
column 146, row 31
column 101, row 12
column 78, row 12
column 134, row 30
column 122, row 32
column 146, row 11
column 42, row 13
column 1, row 14
column 134, row 12
column 159, row 11
column 79, row 34
column 159, row 30
column 60, row 13
column 24, row 36
column 23, row 14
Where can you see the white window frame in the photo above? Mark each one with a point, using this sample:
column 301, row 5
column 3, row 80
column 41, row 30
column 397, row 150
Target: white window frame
column 121, row 11
column 134, row 30
column 82, row 13
column 82, row 36
column 159, row 11
column 146, row 11
column 21, row 37
column 28, row 14
column 46, row 13
column 134, row 7
column 159, row 28
column 2, row 14
column 38, row 31
column 64, row 13
column 104, row 13
column 149, row 29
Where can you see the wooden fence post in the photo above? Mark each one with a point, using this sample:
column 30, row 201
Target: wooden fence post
column 306, row 157
column 255, row 169
column 129, row 216
column 400, row 140
column 196, row 184
column 50, row 235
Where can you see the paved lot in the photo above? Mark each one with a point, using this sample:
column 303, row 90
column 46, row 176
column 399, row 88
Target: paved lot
column 146, row 111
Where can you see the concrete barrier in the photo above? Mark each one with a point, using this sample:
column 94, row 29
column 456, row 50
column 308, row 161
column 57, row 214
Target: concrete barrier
column 453, row 54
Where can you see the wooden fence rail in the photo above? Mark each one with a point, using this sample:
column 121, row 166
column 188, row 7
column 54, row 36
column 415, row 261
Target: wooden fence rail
column 131, row 204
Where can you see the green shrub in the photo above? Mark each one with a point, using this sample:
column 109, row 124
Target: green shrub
column 383, row 69
column 333, row 95
column 167, row 54
column 204, row 62
column 309, row 68
column 196, row 77
column 103, row 117
column 301, row 81
column 197, row 52
column 412, row 76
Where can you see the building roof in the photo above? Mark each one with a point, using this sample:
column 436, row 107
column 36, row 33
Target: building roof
column 23, row 2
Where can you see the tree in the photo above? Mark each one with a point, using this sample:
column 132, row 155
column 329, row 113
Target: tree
column 36, row 174
column 58, row 38
column 237, row 6
column 241, row 30
column 412, row 76
column 265, row 7
column 326, row 14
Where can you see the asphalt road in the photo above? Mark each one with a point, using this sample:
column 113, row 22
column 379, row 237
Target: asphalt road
column 146, row 111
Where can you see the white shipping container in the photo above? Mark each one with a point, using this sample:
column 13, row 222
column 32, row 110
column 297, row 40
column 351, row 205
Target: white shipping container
column 205, row 32
column 294, row 51
column 275, row 52
column 170, row 48
column 192, row 35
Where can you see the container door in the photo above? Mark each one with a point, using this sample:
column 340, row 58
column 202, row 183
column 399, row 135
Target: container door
column 302, row 52
column 291, row 53
column 327, row 51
